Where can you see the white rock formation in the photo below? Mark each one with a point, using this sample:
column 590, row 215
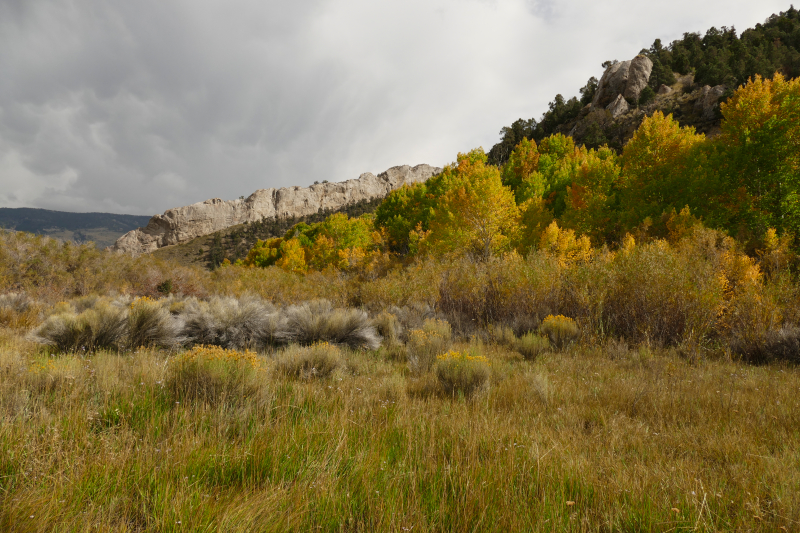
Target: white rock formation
column 183, row 224
column 618, row 107
column 626, row 78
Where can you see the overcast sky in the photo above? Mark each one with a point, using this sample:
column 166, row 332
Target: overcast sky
column 136, row 106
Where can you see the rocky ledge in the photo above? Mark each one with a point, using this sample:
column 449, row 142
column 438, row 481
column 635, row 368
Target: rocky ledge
column 183, row 224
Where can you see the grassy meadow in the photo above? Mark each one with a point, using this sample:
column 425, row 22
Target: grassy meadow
column 589, row 439
column 653, row 388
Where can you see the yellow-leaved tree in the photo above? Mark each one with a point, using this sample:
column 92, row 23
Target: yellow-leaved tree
column 477, row 214
column 658, row 167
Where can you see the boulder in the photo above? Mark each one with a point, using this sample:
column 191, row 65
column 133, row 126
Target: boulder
column 638, row 76
column 618, row 107
column 626, row 78
column 663, row 89
column 183, row 224
column 707, row 100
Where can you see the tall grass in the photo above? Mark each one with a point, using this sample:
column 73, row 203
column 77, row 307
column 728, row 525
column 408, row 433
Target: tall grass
column 150, row 324
column 643, row 442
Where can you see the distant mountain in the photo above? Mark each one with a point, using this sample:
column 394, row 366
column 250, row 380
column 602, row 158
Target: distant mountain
column 101, row 228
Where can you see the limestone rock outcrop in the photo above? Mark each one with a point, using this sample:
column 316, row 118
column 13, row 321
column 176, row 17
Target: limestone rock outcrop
column 183, row 224
column 618, row 107
column 626, row 78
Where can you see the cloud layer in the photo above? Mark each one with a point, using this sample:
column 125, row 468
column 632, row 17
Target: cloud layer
column 136, row 107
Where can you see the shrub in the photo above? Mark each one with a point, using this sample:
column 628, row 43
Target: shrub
column 211, row 374
column 560, row 330
column 411, row 316
column 103, row 327
column 424, row 345
column 458, row 372
column 662, row 294
column 647, row 95
column 165, row 287
column 52, row 374
column 151, row 324
column 530, row 346
column 776, row 345
column 17, row 310
column 108, row 326
column 317, row 321
column 388, row 326
column 307, row 362
column 229, row 322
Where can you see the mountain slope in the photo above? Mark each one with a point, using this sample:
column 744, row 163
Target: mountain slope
column 720, row 58
column 101, row 228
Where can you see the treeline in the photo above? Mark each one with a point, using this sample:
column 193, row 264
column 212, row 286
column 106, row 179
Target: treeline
column 719, row 57
column 744, row 181
column 555, row 194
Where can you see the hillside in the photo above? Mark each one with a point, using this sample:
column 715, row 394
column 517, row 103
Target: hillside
column 235, row 242
column 182, row 224
column 719, row 58
column 101, row 228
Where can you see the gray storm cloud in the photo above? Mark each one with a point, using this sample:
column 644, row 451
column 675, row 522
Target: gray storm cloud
column 135, row 107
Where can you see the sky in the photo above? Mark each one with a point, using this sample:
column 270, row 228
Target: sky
column 137, row 107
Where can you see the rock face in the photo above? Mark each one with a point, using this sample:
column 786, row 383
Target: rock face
column 183, row 224
column 708, row 99
column 626, row 78
column 618, row 107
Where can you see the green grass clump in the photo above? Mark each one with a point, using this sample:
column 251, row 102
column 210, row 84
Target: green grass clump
column 530, row 346
column 309, row 362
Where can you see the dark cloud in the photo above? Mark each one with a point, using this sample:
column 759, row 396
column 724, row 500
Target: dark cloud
column 140, row 106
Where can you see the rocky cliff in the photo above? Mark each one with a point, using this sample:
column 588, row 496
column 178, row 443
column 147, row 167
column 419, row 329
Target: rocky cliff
column 616, row 111
column 183, row 224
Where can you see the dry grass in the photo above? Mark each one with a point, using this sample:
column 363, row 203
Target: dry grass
column 318, row 321
column 643, row 441
column 151, row 324
column 102, row 327
column 309, row 362
column 426, row 344
column 232, row 323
